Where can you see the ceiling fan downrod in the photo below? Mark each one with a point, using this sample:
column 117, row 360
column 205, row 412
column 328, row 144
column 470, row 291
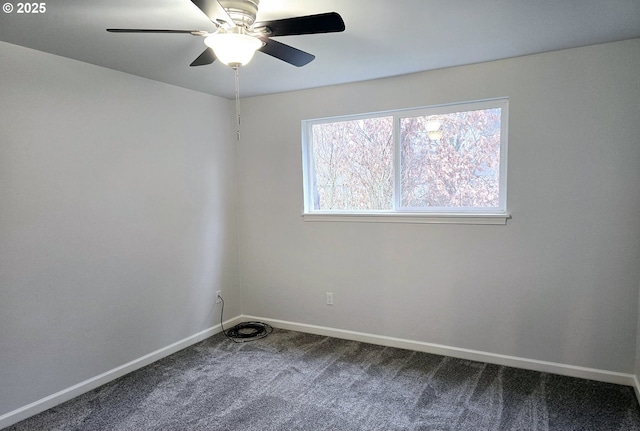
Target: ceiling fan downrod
column 242, row 12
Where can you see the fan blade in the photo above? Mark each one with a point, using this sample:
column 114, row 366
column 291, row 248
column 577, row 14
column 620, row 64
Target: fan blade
column 214, row 11
column 285, row 52
column 140, row 30
column 322, row 23
column 207, row 57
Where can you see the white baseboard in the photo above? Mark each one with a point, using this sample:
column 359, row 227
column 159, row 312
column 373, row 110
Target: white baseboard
column 636, row 387
column 456, row 352
column 45, row 403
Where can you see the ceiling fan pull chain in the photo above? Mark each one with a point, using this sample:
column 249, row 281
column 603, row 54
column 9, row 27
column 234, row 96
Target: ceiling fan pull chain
column 237, row 103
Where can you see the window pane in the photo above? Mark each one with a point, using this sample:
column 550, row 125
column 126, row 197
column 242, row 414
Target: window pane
column 451, row 160
column 353, row 165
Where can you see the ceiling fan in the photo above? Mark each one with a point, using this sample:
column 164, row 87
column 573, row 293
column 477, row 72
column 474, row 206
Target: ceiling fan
column 238, row 36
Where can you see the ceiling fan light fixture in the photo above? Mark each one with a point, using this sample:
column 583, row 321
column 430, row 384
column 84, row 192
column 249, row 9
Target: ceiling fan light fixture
column 233, row 49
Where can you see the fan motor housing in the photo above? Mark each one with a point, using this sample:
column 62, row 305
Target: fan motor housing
column 242, row 12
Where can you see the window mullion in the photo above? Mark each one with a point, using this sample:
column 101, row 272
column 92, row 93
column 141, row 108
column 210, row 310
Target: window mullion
column 397, row 166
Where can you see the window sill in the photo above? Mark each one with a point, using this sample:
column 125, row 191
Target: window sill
column 496, row 219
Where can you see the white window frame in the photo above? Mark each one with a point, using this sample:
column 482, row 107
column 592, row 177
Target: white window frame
column 497, row 215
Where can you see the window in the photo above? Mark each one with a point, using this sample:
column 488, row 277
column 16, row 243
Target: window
column 435, row 164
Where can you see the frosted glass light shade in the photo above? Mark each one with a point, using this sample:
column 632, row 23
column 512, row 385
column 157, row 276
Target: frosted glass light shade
column 233, row 49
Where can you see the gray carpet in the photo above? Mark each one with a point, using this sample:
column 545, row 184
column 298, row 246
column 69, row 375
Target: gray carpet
column 296, row 381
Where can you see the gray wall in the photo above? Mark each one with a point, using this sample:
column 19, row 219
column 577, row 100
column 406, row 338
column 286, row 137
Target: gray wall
column 558, row 283
column 116, row 220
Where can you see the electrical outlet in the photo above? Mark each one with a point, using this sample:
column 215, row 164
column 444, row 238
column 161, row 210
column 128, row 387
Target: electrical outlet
column 329, row 298
column 218, row 296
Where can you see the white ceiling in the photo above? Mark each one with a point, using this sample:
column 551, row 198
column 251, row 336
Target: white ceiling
column 382, row 38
